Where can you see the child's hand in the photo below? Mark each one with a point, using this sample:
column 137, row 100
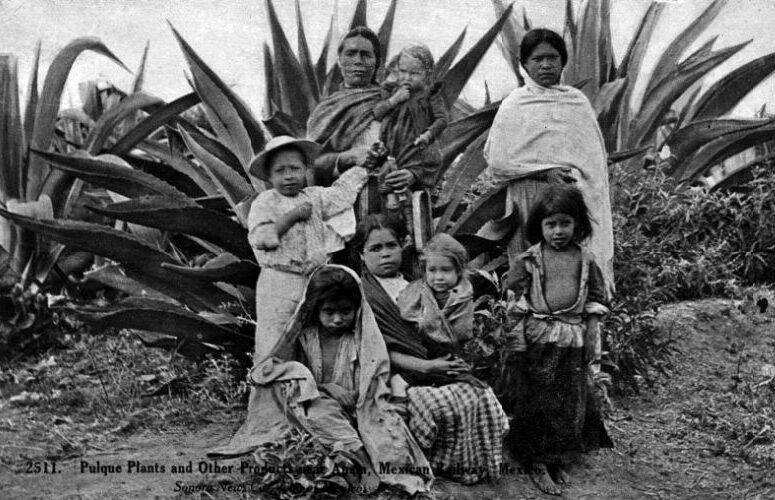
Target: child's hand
column 303, row 211
column 424, row 139
column 402, row 94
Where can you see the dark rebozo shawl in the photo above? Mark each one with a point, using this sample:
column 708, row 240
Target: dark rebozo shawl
column 400, row 336
column 342, row 116
column 403, row 125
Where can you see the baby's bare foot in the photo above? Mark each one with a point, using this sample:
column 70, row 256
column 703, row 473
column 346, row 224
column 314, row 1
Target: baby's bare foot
column 540, row 476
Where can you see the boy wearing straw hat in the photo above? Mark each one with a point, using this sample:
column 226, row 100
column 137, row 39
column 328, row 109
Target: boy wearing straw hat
column 294, row 229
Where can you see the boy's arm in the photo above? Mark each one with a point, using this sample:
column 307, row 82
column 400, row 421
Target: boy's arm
column 342, row 194
column 595, row 308
column 262, row 232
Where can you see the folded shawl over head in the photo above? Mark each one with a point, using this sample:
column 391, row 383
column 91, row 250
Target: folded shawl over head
column 381, row 429
column 541, row 128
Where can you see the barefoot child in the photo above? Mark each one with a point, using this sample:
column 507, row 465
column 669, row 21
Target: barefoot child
column 556, row 417
column 455, row 417
column 293, row 229
column 329, row 373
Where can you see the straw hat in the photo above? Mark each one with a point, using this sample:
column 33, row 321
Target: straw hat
column 259, row 164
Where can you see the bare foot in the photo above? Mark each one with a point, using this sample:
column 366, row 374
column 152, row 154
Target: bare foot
column 563, row 477
column 540, row 476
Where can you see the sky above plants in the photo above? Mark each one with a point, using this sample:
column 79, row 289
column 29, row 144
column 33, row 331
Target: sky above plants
column 229, row 36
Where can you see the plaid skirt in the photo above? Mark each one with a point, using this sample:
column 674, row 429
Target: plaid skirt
column 460, row 428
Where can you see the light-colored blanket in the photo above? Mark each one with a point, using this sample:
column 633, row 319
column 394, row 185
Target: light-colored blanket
column 542, row 128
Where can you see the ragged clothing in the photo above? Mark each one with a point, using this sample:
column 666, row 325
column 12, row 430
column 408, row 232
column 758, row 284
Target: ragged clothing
column 292, row 374
column 548, row 386
column 540, row 129
column 445, row 327
column 424, row 111
column 307, row 244
column 457, row 420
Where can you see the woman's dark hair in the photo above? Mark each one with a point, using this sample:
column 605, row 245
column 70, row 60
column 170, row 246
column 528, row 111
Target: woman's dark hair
column 331, row 283
column 372, row 223
column 371, row 37
column 536, row 37
column 559, row 199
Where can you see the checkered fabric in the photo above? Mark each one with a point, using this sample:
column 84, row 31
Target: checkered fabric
column 460, row 428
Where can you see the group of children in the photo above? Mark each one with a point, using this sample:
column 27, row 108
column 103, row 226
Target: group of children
column 294, row 229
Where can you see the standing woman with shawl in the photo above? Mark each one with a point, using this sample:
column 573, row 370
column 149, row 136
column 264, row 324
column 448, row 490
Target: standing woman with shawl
column 456, row 418
column 547, row 133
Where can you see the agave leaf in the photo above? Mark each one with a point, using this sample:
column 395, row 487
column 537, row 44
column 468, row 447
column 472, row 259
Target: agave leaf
column 113, row 276
column 487, row 99
column 281, row 124
column 687, row 111
column 475, row 244
column 32, row 104
column 724, row 95
column 11, row 138
column 115, row 115
column 721, row 148
column 24, row 243
column 457, row 77
column 607, row 103
column 214, row 147
column 633, row 56
column 111, row 173
column 182, row 216
column 461, row 133
column 241, row 272
column 158, row 316
column 680, row 80
column 359, row 15
column 446, row 59
column 460, row 178
column 702, row 52
column 139, row 79
column 489, row 206
column 630, row 66
column 231, row 185
column 272, row 94
column 140, row 260
column 671, row 55
column 570, row 31
column 620, row 156
column 386, row 29
column 290, row 75
column 322, row 64
column 686, row 140
column 154, row 121
column 172, row 159
column 48, row 104
column 605, row 47
column 305, row 59
column 509, row 39
column 77, row 115
column 229, row 114
column 588, row 43
column 740, row 176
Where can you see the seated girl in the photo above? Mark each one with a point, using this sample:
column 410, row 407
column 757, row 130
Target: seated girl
column 455, row 417
column 330, row 371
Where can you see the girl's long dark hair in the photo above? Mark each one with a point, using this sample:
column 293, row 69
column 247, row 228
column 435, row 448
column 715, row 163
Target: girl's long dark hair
column 559, row 199
column 536, row 37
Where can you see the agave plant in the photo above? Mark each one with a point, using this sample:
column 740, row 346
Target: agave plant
column 191, row 182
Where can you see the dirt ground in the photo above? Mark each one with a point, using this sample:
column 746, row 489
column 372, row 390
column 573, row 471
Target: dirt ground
column 703, row 432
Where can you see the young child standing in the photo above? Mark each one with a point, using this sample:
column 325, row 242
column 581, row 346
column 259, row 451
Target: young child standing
column 562, row 297
column 413, row 115
column 293, row 229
